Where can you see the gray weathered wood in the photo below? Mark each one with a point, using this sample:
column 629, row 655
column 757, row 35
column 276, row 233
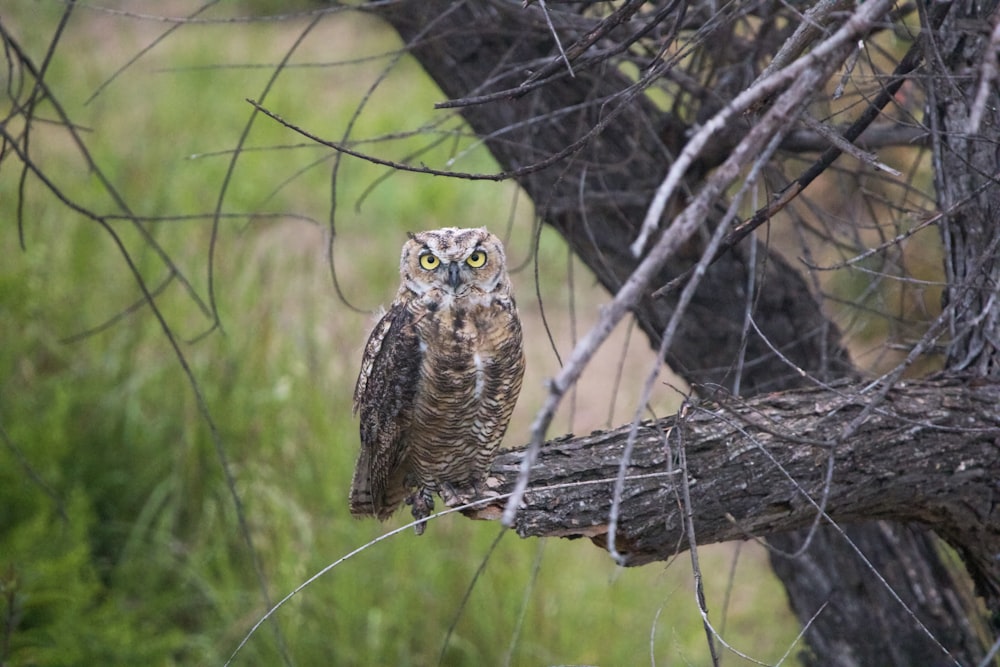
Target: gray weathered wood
column 929, row 454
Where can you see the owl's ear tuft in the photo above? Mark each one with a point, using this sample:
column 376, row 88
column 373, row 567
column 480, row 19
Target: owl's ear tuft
column 411, row 236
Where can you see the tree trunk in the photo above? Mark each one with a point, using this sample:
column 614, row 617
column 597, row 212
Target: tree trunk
column 967, row 168
column 614, row 152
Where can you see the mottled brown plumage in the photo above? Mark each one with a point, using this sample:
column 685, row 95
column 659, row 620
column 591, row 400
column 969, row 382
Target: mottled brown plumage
column 440, row 375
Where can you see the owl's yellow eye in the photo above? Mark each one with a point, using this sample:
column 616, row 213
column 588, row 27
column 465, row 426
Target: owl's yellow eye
column 476, row 259
column 429, row 262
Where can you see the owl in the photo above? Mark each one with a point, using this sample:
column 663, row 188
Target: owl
column 439, row 378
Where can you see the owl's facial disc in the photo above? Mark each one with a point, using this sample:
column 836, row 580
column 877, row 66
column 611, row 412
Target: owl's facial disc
column 452, row 261
column 454, row 271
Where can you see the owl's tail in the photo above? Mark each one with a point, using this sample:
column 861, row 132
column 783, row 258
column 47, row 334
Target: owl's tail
column 377, row 500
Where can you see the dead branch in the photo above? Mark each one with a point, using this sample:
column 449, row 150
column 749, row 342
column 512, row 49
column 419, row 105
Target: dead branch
column 929, row 454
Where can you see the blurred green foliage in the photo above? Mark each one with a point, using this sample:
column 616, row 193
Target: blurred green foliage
column 120, row 536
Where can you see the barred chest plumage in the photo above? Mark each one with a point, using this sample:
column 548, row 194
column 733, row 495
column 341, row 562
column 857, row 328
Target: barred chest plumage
column 471, row 374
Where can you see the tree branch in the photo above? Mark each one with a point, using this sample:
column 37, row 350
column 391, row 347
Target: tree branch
column 929, row 454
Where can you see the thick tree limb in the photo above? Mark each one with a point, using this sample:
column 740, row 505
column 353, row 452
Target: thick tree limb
column 929, row 454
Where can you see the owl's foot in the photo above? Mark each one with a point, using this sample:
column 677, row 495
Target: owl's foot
column 423, row 506
column 454, row 496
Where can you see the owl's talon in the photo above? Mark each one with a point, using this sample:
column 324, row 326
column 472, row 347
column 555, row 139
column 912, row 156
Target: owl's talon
column 423, row 506
column 490, row 493
column 455, row 497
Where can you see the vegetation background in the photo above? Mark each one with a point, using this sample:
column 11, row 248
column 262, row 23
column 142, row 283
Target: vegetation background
column 157, row 474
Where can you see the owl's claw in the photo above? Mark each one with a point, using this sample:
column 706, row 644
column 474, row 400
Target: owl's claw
column 423, row 506
column 455, row 497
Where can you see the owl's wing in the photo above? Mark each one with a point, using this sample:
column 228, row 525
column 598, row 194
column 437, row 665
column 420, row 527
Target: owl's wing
column 384, row 398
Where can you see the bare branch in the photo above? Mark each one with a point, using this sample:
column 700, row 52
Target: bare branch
column 818, row 64
column 928, row 453
column 844, row 145
column 987, row 78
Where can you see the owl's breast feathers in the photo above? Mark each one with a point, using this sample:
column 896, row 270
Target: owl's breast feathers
column 472, row 369
column 438, row 383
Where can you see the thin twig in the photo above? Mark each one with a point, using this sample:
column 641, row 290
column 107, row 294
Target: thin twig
column 846, row 146
column 555, row 36
column 819, row 59
column 987, row 77
column 463, row 604
column 906, row 65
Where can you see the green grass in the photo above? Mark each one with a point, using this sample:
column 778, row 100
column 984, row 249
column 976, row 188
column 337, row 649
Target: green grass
column 119, row 536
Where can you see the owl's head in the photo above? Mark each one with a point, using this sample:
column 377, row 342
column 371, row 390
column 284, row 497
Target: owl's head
column 454, row 260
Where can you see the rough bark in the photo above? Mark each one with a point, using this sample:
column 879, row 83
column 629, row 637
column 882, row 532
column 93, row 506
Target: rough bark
column 929, row 454
column 596, row 196
column 928, row 458
column 967, row 181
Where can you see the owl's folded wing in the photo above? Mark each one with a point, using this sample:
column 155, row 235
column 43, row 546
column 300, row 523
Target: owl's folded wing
column 384, row 398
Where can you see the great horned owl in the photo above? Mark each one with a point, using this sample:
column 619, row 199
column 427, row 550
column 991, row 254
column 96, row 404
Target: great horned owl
column 439, row 378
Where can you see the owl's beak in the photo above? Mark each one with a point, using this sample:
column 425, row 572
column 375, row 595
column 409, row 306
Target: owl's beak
column 453, row 276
